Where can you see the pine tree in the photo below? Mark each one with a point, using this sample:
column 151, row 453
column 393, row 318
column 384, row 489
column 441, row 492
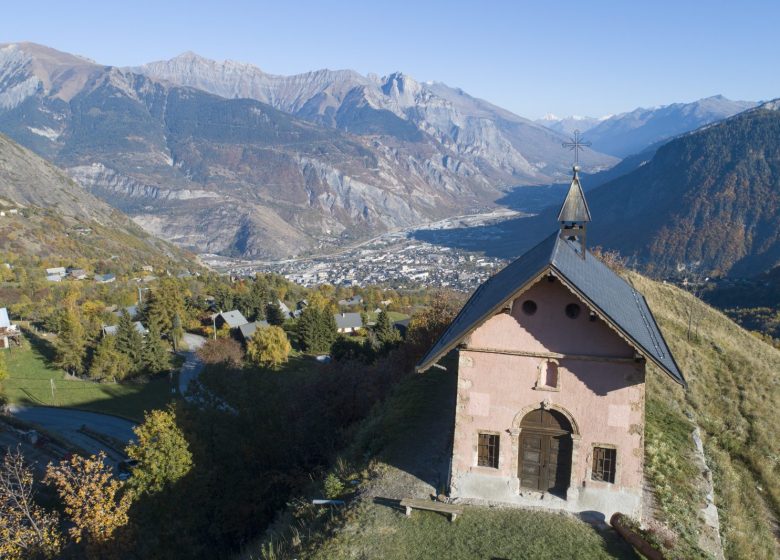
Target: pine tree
column 155, row 357
column 129, row 341
column 386, row 333
column 316, row 329
column 258, row 295
column 274, row 314
column 165, row 302
column 71, row 345
column 224, row 298
column 307, row 329
column 177, row 332
column 329, row 328
column 108, row 364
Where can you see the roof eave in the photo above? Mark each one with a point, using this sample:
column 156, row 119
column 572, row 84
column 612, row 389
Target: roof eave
column 423, row 366
column 627, row 337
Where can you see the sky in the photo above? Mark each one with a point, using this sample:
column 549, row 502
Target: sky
column 592, row 58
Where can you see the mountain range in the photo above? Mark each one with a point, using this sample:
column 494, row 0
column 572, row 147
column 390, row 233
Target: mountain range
column 234, row 175
column 221, row 157
column 629, row 133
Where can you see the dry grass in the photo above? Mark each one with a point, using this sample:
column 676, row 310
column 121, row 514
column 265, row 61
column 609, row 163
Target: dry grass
column 734, row 396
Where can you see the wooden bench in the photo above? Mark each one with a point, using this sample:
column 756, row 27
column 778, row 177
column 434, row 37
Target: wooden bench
column 450, row 509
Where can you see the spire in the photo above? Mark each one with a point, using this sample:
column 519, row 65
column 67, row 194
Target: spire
column 575, row 208
column 575, row 215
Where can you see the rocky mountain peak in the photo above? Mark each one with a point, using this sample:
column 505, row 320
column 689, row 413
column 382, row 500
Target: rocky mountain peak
column 26, row 66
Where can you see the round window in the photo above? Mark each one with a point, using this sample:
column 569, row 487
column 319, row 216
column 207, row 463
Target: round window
column 572, row 311
column 529, row 307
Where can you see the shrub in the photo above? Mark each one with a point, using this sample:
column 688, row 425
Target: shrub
column 333, row 486
column 222, row 351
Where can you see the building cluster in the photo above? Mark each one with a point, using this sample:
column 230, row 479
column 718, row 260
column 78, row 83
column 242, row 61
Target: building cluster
column 234, row 320
column 60, row 273
column 393, row 260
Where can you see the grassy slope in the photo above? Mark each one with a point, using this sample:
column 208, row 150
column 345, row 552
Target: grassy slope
column 57, row 239
column 734, row 396
column 380, row 532
column 378, row 529
column 29, row 383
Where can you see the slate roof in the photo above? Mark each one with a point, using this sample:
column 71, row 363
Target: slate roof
column 348, row 320
column 284, row 308
column 609, row 295
column 233, row 319
column 354, row 300
column 112, row 329
column 131, row 310
column 249, row 329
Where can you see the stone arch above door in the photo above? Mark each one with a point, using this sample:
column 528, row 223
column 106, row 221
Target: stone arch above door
column 518, row 419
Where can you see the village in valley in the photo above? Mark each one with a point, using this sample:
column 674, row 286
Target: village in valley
column 394, row 259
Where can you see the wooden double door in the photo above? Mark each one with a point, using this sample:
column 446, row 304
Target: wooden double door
column 545, row 452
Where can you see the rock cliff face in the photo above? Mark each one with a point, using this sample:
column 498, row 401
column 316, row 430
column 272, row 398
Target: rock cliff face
column 223, row 158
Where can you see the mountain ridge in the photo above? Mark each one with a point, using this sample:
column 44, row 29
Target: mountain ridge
column 634, row 131
column 237, row 176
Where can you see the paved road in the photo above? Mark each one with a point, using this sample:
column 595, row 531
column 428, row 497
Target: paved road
column 67, row 422
column 192, row 365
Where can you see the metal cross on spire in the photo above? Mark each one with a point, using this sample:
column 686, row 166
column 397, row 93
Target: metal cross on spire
column 576, row 145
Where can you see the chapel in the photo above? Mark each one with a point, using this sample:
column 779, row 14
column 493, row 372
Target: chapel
column 551, row 379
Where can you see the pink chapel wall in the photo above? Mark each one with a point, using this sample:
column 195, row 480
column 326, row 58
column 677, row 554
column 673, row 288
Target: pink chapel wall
column 604, row 400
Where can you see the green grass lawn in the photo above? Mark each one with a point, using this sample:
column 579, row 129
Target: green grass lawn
column 30, row 379
column 394, row 316
column 382, row 532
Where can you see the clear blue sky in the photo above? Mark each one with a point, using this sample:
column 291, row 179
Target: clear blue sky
column 586, row 57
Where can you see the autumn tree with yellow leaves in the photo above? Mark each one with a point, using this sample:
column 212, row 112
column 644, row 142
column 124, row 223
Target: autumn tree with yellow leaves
column 269, row 347
column 91, row 499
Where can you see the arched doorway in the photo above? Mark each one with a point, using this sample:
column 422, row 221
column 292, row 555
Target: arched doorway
column 544, row 464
